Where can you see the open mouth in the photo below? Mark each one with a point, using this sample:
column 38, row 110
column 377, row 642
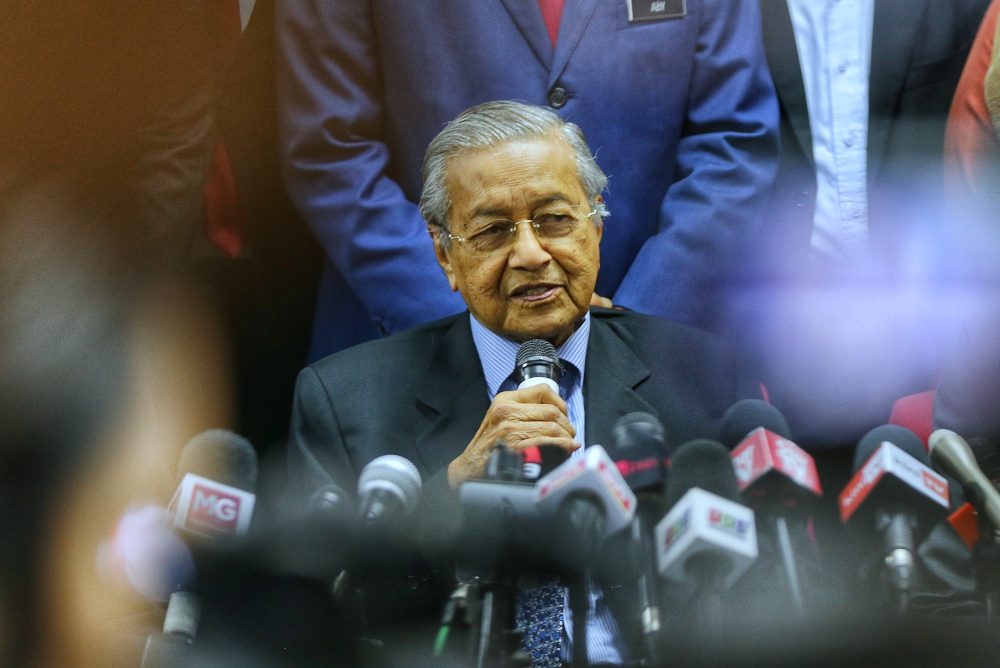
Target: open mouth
column 535, row 293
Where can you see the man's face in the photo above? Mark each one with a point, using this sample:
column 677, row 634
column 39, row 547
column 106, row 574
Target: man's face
column 534, row 288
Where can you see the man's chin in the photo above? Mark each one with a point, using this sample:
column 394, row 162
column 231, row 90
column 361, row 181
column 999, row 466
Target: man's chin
column 555, row 330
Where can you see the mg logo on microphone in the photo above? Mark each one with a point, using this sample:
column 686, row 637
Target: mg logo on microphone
column 214, row 510
column 210, row 508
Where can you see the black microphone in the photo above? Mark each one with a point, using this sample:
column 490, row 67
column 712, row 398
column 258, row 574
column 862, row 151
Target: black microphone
column 218, row 471
column 641, row 450
column 778, row 480
column 895, row 490
column 388, row 489
column 537, row 363
column 747, row 415
column 705, row 542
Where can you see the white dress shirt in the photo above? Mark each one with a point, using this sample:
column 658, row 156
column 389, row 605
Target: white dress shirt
column 834, row 42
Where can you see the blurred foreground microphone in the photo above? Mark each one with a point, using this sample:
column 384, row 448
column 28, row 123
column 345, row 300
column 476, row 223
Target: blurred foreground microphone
column 953, row 457
column 778, row 479
column 388, row 489
column 218, row 471
column 210, row 509
column 895, row 490
column 707, row 538
column 704, row 544
column 642, row 450
column 591, row 500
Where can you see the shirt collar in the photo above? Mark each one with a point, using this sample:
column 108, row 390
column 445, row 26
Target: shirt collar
column 497, row 354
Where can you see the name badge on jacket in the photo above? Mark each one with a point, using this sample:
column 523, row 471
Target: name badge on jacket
column 655, row 10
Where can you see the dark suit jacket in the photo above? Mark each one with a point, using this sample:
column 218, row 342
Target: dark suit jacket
column 918, row 50
column 422, row 394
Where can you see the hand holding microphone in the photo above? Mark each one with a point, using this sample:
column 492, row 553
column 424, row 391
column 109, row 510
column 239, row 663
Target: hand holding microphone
column 531, row 416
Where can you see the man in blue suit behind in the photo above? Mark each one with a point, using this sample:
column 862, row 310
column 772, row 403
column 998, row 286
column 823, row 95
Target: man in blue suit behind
column 674, row 97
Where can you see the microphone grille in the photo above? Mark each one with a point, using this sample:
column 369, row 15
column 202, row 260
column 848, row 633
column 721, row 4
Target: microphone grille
column 748, row 414
column 394, row 473
column 701, row 463
column 222, row 456
column 899, row 436
column 638, row 426
column 536, row 348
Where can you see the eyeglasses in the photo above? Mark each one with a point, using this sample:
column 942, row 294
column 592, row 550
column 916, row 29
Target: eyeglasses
column 551, row 225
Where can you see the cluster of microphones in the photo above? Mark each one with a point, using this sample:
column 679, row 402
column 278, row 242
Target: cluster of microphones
column 696, row 539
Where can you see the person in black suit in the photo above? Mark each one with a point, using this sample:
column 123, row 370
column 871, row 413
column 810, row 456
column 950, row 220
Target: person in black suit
column 422, row 394
column 512, row 199
column 857, row 228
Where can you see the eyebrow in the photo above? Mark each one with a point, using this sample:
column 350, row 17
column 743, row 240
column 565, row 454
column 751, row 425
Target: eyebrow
column 502, row 212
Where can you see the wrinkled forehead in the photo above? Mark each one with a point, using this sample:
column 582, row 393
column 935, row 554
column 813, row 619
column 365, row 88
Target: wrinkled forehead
column 513, row 177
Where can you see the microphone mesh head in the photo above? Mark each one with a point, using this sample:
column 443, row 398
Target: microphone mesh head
column 394, row 473
column 701, row 463
column 222, row 456
column 536, row 348
column 748, row 414
column 899, row 436
column 638, row 427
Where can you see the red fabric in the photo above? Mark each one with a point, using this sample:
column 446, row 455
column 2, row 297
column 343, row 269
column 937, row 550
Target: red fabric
column 552, row 13
column 222, row 207
column 222, row 210
column 971, row 143
column 916, row 413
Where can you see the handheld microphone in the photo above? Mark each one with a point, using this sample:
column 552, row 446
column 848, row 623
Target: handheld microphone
column 894, row 488
column 388, row 489
column 952, row 456
column 537, row 363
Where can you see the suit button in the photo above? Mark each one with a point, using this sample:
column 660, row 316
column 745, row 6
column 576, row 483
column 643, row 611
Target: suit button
column 558, row 98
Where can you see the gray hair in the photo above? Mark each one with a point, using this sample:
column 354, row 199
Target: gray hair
column 495, row 123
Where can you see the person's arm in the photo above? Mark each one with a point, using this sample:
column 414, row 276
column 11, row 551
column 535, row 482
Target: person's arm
column 335, row 163
column 726, row 162
column 971, row 147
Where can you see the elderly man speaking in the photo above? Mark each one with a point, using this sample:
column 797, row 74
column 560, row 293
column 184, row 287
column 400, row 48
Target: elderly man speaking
column 512, row 199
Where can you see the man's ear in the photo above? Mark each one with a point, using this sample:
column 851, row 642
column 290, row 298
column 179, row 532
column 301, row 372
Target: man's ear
column 600, row 228
column 442, row 255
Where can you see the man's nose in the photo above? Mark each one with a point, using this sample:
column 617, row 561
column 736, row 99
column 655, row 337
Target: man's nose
column 528, row 252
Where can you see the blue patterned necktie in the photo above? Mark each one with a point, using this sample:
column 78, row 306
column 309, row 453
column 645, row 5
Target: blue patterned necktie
column 539, row 615
column 539, row 610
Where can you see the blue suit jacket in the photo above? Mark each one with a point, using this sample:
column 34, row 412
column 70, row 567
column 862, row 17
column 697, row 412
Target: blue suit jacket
column 680, row 113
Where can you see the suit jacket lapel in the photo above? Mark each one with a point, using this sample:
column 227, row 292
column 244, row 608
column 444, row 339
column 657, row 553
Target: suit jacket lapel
column 612, row 377
column 783, row 61
column 527, row 16
column 894, row 31
column 453, row 397
column 576, row 15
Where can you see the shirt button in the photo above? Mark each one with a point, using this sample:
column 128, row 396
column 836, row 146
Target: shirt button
column 558, row 98
column 848, row 140
column 855, row 213
column 842, row 68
